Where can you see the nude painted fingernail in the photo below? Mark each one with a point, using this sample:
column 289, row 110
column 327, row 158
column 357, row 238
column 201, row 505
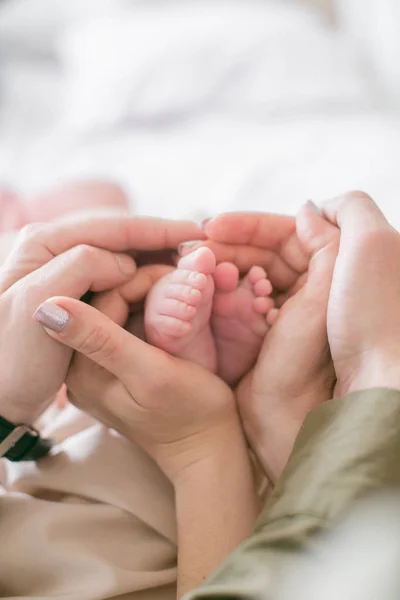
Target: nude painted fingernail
column 204, row 222
column 126, row 263
column 189, row 246
column 52, row 316
column 316, row 209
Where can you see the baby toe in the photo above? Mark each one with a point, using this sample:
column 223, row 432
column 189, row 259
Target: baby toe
column 263, row 305
column 256, row 274
column 253, row 277
column 177, row 309
column 166, row 325
column 263, row 287
column 189, row 278
column 272, row 316
column 226, row 277
column 184, row 293
column 202, row 260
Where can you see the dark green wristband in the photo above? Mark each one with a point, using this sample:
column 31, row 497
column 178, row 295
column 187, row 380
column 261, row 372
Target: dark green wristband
column 21, row 442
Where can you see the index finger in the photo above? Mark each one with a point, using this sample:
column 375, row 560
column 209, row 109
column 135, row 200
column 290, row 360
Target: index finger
column 37, row 244
column 117, row 233
column 281, row 274
column 264, row 230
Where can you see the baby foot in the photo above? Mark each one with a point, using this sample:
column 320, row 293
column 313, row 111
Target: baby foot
column 238, row 321
column 178, row 310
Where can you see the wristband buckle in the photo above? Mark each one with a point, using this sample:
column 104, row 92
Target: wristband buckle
column 14, row 436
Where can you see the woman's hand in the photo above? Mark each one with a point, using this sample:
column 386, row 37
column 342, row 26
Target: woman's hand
column 294, row 372
column 248, row 239
column 161, row 402
column 182, row 415
column 363, row 312
column 68, row 257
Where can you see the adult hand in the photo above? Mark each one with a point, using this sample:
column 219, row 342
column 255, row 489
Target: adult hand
column 364, row 313
column 248, row 239
column 161, row 402
column 67, row 257
column 181, row 414
column 294, row 372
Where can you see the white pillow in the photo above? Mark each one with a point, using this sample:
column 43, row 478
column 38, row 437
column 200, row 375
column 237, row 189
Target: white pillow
column 308, row 71
column 170, row 59
column 30, row 28
column 174, row 58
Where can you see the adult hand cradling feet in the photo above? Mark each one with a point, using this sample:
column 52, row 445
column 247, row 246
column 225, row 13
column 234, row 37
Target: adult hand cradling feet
column 346, row 450
column 69, row 257
column 294, row 372
column 363, row 311
column 181, row 414
column 185, row 417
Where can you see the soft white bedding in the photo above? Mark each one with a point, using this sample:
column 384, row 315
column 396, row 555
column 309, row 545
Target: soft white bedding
column 195, row 106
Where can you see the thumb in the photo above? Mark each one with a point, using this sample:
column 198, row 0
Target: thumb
column 320, row 239
column 89, row 332
column 313, row 230
column 355, row 213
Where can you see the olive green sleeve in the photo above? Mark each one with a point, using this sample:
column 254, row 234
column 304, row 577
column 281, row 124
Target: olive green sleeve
column 346, row 449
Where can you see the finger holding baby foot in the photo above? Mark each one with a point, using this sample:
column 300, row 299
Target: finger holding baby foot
column 178, row 310
column 239, row 322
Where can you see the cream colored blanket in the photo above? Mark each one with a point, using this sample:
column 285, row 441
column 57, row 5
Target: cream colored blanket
column 95, row 520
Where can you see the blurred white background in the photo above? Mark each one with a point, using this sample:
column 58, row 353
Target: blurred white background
column 198, row 106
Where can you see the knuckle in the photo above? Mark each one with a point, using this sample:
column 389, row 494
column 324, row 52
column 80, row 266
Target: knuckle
column 85, row 252
column 31, row 232
column 358, row 196
column 97, row 345
column 85, row 257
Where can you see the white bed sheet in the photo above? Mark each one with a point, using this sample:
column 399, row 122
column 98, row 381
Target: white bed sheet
column 223, row 154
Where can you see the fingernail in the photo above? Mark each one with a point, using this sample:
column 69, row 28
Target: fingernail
column 126, row 263
column 204, row 223
column 312, row 206
column 52, row 316
column 189, row 246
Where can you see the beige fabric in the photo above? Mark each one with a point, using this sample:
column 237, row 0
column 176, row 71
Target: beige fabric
column 94, row 520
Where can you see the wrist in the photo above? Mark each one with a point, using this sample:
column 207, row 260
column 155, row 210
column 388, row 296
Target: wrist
column 182, row 461
column 379, row 371
column 216, row 505
column 272, row 439
column 375, row 368
column 272, row 423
